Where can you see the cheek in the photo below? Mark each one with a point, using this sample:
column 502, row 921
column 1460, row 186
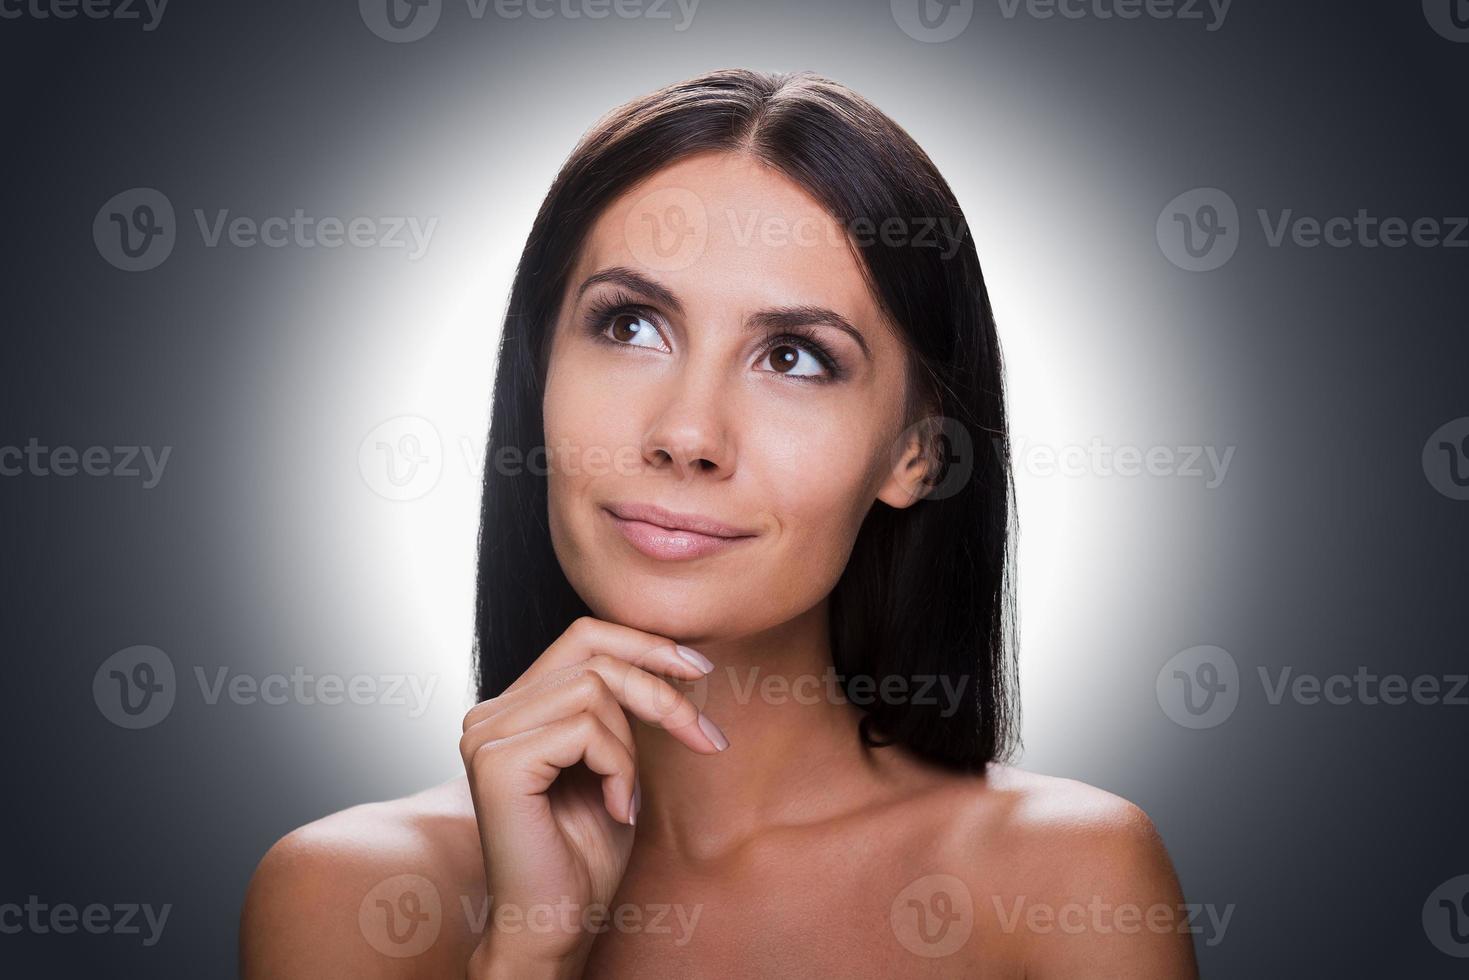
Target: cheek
column 581, row 439
column 590, row 427
column 817, row 479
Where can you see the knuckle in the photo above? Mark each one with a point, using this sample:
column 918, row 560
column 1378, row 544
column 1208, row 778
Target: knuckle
column 600, row 695
column 608, row 667
column 480, row 760
column 479, row 712
column 468, row 742
column 585, row 725
column 592, row 686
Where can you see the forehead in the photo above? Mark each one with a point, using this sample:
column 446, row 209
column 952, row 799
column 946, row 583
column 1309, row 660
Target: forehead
column 724, row 228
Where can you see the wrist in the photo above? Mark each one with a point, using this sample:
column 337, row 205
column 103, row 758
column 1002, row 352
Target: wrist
column 499, row 961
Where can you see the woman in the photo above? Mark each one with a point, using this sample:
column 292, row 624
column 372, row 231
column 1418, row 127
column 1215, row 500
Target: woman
column 743, row 626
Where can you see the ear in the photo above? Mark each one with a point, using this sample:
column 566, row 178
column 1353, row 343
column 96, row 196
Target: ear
column 914, row 466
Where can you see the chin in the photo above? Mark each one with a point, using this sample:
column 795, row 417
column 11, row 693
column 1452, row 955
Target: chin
column 681, row 621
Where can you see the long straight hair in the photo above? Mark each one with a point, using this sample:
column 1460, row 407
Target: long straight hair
column 927, row 594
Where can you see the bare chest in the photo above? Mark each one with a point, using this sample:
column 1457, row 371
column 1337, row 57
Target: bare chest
column 838, row 907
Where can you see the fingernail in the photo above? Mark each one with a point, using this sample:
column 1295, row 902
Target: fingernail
column 712, row 730
column 637, row 799
column 696, row 658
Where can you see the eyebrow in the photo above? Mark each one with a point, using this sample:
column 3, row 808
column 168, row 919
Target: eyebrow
column 778, row 318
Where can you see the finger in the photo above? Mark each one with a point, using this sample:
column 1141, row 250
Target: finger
column 587, row 636
column 527, row 763
column 655, row 701
column 548, row 702
column 646, row 696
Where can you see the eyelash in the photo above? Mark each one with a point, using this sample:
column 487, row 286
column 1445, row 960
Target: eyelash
column 600, row 314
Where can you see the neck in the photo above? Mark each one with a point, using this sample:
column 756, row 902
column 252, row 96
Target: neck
column 794, row 755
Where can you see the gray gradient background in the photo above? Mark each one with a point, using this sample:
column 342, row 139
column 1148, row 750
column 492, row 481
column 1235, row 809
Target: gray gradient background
column 264, row 548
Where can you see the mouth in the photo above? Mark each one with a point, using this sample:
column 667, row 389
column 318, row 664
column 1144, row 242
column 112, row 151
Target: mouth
column 670, row 536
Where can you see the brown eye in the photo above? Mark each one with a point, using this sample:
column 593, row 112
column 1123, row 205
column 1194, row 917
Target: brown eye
column 787, row 359
column 634, row 330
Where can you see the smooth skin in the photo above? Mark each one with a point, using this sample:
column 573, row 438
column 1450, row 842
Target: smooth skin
column 728, row 819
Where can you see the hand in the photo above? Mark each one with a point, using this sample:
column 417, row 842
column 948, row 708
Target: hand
column 547, row 837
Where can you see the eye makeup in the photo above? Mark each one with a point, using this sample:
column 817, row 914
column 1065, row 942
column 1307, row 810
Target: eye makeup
column 602, row 310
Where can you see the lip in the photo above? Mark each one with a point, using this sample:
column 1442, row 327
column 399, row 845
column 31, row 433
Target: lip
column 671, row 536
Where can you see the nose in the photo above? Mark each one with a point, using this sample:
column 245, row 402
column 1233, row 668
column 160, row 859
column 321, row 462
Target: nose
column 688, row 436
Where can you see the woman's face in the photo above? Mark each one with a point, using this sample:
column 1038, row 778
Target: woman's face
column 664, row 389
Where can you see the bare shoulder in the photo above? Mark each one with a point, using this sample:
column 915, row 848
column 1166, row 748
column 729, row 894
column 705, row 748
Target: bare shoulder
column 1054, row 812
column 356, row 892
column 1078, row 876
